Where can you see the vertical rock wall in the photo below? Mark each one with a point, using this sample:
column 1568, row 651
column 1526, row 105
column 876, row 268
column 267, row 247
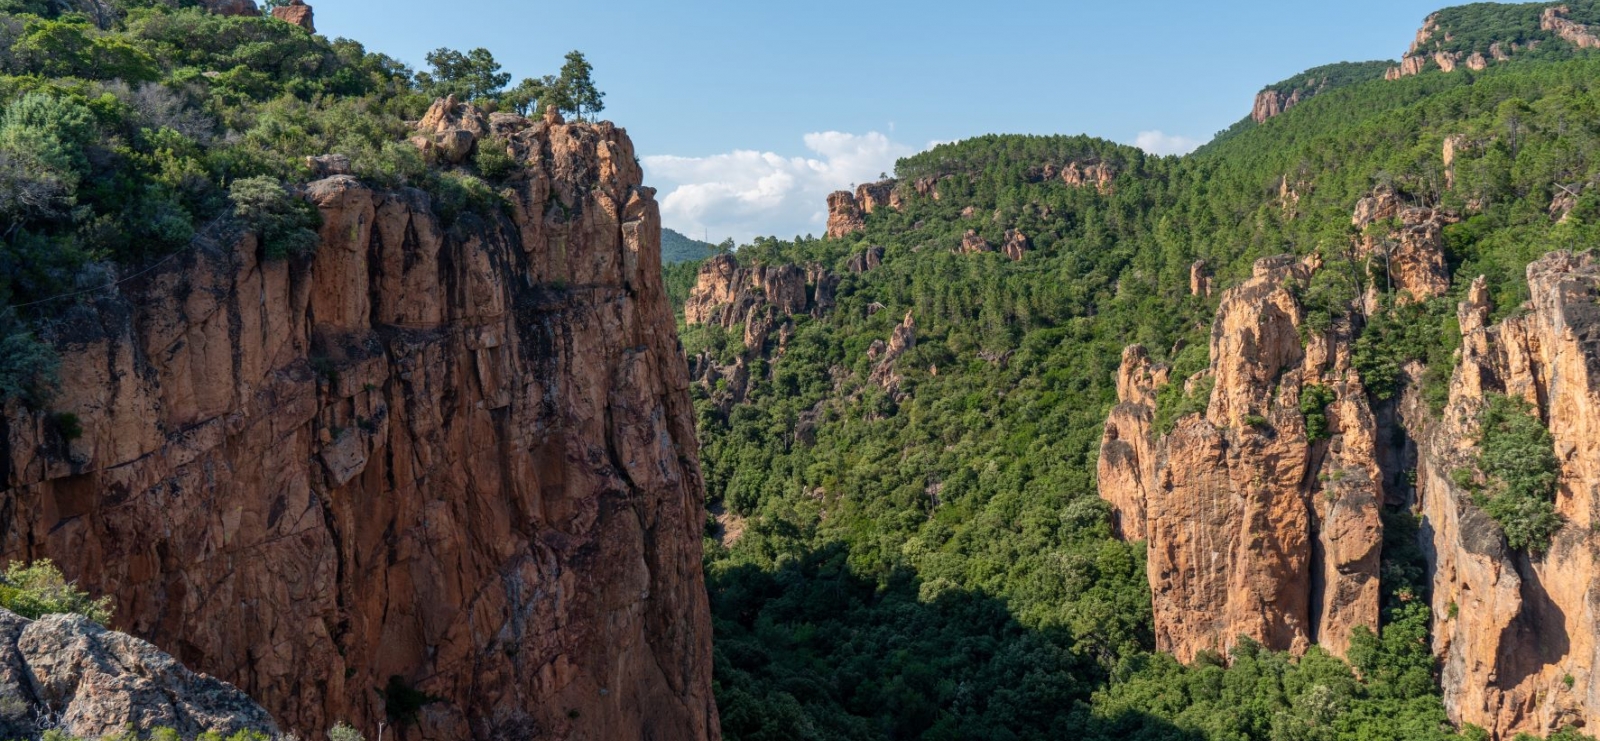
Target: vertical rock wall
column 459, row 458
column 1253, row 528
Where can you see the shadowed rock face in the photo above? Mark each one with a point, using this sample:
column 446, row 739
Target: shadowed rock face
column 1509, row 627
column 99, row 682
column 463, row 457
column 1253, row 529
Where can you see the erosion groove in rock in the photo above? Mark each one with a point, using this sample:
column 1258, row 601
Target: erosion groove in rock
column 461, row 456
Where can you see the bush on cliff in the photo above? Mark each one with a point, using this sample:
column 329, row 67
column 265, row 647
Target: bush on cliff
column 38, row 589
column 1518, row 458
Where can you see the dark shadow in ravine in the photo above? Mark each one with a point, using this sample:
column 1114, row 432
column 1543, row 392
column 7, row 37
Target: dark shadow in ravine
column 808, row 649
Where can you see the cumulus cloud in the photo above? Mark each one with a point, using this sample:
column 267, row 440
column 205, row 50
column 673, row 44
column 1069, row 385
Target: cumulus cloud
column 745, row 193
column 1159, row 142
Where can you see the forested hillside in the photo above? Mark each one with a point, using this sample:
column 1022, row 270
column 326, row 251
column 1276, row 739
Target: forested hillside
column 918, row 550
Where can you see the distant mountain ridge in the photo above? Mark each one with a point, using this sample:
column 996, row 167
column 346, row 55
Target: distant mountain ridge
column 1472, row 36
column 675, row 247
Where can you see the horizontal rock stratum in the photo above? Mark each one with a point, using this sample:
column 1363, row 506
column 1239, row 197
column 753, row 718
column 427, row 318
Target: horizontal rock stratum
column 456, row 458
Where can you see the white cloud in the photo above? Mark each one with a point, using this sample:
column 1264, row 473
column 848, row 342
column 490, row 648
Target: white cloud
column 745, row 193
column 1158, row 142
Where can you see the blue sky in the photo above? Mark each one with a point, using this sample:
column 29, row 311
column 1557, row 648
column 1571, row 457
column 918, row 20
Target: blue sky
column 747, row 113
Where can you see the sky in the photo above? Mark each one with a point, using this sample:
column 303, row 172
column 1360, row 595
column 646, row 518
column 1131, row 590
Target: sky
column 747, row 114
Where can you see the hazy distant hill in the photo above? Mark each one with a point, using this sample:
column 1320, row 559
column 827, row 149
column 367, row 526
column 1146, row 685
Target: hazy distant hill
column 676, row 247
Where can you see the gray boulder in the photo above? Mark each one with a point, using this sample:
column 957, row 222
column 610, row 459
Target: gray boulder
column 66, row 672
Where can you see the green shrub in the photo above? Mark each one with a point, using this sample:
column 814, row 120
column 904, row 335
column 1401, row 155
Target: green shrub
column 29, row 369
column 39, row 589
column 342, row 731
column 282, row 222
column 1314, row 401
column 1517, row 456
column 1172, row 404
column 492, row 160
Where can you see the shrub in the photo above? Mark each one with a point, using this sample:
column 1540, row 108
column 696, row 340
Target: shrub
column 1517, row 457
column 341, row 731
column 1314, row 401
column 39, row 589
column 29, row 369
column 493, row 162
column 282, row 221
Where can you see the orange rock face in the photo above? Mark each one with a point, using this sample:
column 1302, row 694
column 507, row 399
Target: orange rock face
column 1409, row 257
column 460, row 457
column 1555, row 20
column 1510, row 628
column 1252, row 527
column 844, row 215
column 1271, row 103
column 296, row 12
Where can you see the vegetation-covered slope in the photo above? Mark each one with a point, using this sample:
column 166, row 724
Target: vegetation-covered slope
column 932, row 560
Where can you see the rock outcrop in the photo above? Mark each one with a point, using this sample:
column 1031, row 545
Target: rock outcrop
column 460, row 459
column 246, row 8
column 1555, row 21
column 973, row 243
column 865, row 260
column 1016, row 245
column 1409, row 257
column 885, row 354
column 844, row 215
column 1516, row 634
column 450, row 130
column 1257, row 524
column 726, row 293
column 90, row 682
column 883, row 194
column 296, row 12
column 1200, row 279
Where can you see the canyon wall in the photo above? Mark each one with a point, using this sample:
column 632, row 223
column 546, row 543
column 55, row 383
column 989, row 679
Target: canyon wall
column 1516, row 631
column 1255, row 525
column 457, row 458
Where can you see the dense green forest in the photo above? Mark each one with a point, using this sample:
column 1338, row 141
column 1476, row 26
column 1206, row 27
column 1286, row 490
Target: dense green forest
column 935, row 562
column 676, row 248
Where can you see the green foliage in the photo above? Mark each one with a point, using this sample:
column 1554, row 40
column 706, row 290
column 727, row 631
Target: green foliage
column 493, row 162
column 1517, row 456
column 342, row 731
column 282, row 221
column 474, row 75
column 29, row 369
column 38, row 589
column 676, row 248
column 1314, row 401
column 574, row 90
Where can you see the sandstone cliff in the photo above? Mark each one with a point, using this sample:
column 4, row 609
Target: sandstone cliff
column 1516, row 633
column 1256, row 524
column 460, row 458
column 1403, row 245
column 66, row 672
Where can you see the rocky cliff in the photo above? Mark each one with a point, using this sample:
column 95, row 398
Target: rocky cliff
column 1261, row 513
column 1436, row 46
column 452, row 458
column 761, row 300
column 66, row 673
column 1258, row 522
column 1516, row 632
